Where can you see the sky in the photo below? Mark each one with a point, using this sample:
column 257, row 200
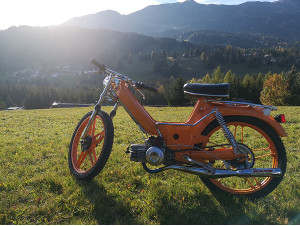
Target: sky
column 54, row 12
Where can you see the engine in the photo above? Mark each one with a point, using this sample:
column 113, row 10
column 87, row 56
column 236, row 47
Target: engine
column 153, row 155
column 149, row 153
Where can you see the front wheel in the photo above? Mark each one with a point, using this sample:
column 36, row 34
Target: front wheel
column 88, row 157
column 262, row 141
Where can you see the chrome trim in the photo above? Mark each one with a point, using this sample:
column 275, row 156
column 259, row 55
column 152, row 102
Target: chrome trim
column 116, row 106
column 219, row 173
column 116, row 73
column 96, row 110
column 205, row 95
column 227, row 133
column 114, row 109
column 182, row 124
column 187, row 158
column 243, row 103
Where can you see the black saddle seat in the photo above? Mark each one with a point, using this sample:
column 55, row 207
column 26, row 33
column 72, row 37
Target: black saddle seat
column 207, row 90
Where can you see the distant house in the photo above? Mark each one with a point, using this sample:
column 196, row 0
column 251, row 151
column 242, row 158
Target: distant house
column 69, row 105
column 14, row 108
column 268, row 59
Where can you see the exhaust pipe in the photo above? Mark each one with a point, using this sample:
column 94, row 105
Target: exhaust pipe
column 218, row 173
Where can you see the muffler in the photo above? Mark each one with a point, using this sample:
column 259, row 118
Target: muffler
column 218, row 173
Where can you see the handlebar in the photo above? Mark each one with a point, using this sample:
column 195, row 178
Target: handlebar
column 138, row 85
column 97, row 64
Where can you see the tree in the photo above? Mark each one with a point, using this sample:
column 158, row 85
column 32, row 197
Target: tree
column 176, row 93
column 203, row 56
column 159, row 66
column 229, row 77
column 210, row 63
column 2, row 104
column 236, row 91
column 249, row 87
column 293, row 80
column 153, row 55
column 195, row 80
column 217, row 76
column 253, row 62
column 274, row 90
column 206, row 78
column 163, row 54
column 175, row 69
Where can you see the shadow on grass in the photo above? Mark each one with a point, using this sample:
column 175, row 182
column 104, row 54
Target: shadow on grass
column 106, row 209
column 200, row 208
column 205, row 209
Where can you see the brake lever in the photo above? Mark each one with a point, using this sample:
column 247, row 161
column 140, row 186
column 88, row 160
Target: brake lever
column 144, row 98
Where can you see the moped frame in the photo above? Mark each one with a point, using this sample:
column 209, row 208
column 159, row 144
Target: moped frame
column 181, row 135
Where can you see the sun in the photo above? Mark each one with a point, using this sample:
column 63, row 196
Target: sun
column 53, row 12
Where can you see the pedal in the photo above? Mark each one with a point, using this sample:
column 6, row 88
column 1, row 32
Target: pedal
column 207, row 167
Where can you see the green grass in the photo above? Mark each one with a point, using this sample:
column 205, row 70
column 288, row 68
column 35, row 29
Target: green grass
column 36, row 186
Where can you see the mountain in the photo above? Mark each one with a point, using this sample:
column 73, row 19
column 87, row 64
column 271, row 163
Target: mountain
column 35, row 47
column 280, row 18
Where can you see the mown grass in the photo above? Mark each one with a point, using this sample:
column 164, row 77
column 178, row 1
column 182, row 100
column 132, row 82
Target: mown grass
column 36, row 186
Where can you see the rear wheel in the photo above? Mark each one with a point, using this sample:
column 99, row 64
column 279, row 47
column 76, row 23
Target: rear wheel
column 88, row 157
column 262, row 141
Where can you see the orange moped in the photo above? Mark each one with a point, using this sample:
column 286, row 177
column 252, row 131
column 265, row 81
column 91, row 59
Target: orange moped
column 234, row 147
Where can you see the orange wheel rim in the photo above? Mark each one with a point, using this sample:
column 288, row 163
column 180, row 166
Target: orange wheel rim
column 84, row 161
column 265, row 152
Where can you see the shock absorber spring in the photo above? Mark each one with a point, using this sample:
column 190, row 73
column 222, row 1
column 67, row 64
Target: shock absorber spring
column 227, row 133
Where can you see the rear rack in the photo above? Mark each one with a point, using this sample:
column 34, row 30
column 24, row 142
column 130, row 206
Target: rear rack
column 267, row 109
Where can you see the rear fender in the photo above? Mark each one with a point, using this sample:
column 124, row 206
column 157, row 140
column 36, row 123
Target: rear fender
column 256, row 113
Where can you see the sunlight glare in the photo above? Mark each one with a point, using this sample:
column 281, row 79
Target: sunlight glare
column 52, row 12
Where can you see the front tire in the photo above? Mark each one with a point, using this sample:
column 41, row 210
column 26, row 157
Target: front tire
column 268, row 149
column 88, row 157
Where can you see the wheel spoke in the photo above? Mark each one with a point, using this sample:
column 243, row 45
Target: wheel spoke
column 223, row 166
column 81, row 158
column 262, row 156
column 242, row 141
column 251, row 185
column 101, row 136
column 235, row 129
column 261, row 149
column 93, row 153
column 94, row 127
column 257, row 182
column 91, row 158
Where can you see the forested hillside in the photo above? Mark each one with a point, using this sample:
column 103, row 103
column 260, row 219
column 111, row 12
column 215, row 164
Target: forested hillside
column 42, row 65
column 23, row 47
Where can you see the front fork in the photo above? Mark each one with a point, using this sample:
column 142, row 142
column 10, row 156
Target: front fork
column 98, row 107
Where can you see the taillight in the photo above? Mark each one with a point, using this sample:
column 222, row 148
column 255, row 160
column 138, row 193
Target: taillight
column 280, row 118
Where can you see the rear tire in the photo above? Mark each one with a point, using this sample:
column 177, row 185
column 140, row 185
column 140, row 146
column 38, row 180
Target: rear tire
column 268, row 149
column 87, row 158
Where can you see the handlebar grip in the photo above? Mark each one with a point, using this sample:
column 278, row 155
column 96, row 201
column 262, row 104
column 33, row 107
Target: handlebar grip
column 140, row 85
column 97, row 64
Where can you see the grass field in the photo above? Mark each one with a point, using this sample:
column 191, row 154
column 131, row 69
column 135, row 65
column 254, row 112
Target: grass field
column 36, row 186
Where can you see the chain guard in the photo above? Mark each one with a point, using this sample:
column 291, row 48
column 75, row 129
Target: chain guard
column 244, row 163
